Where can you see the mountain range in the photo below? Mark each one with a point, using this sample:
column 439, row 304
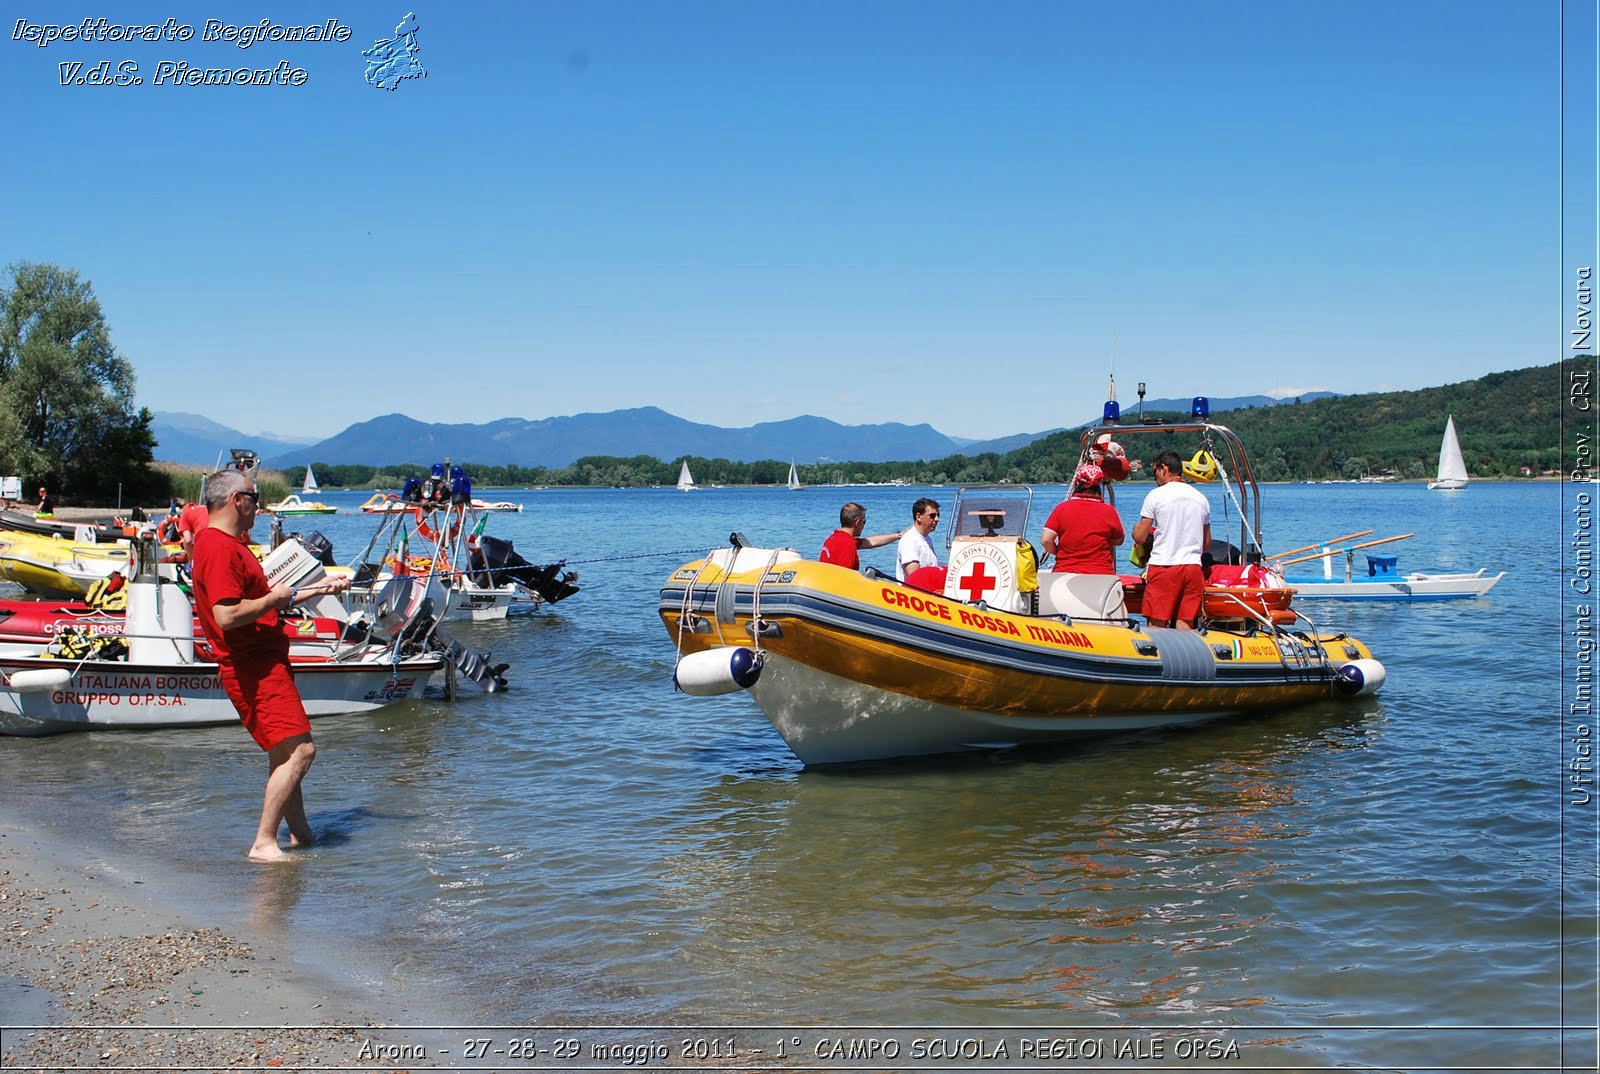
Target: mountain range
column 559, row 441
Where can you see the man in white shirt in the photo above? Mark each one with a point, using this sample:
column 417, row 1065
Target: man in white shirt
column 914, row 551
column 1179, row 516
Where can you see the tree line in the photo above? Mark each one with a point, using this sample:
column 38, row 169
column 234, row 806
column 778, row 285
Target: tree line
column 1507, row 422
column 67, row 421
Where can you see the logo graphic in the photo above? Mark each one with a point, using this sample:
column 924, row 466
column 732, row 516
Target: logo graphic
column 393, row 60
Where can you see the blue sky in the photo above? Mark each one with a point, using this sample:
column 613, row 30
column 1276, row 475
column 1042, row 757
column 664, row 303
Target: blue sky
column 740, row 212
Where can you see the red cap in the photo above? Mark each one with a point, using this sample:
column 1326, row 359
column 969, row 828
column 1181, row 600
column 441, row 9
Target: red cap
column 1087, row 476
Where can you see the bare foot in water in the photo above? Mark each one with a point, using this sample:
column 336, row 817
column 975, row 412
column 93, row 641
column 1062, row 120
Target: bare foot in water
column 296, row 842
column 267, row 852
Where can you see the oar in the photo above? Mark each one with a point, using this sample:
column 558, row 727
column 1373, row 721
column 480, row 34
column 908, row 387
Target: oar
column 1352, row 548
column 1320, row 544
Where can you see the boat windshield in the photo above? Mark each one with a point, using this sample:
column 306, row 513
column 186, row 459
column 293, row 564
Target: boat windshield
column 992, row 512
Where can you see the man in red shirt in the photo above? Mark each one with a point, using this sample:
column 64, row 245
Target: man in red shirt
column 1083, row 531
column 238, row 612
column 843, row 543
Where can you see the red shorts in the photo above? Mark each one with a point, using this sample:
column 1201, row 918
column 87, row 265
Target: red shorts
column 1173, row 593
column 269, row 706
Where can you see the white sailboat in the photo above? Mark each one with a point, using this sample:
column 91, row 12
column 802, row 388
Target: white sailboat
column 1452, row 467
column 794, row 479
column 685, row 482
column 310, row 482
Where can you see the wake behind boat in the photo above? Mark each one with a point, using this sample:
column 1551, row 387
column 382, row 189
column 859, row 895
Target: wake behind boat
column 856, row 666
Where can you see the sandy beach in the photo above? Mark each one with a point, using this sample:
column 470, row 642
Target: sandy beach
column 99, row 974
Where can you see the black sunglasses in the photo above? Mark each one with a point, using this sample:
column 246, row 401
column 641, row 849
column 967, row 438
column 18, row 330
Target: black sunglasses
column 255, row 497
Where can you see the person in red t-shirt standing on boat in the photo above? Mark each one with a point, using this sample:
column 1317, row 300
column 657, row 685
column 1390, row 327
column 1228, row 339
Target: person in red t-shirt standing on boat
column 238, row 612
column 843, row 543
column 1083, row 531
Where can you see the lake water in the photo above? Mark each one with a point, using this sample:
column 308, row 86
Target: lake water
column 593, row 847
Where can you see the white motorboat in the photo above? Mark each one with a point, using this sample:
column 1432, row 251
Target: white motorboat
column 165, row 679
column 471, row 576
column 1452, row 467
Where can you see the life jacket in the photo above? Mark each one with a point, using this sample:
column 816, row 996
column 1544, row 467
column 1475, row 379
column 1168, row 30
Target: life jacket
column 108, row 594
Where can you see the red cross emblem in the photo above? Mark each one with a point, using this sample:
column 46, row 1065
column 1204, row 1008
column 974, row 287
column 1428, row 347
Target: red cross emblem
column 977, row 582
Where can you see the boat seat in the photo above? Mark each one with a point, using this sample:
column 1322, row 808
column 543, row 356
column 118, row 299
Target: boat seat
column 1084, row 596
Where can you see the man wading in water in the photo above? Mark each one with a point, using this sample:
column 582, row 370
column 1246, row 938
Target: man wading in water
column 238, row 611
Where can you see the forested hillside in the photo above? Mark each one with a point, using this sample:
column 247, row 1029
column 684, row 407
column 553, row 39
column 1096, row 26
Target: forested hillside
column 1505, row 420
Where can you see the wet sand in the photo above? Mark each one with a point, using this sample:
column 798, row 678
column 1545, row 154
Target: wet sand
column 96, row 972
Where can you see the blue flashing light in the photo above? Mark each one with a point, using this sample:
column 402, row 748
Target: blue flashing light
column 1113, row 413
column 1200, row 407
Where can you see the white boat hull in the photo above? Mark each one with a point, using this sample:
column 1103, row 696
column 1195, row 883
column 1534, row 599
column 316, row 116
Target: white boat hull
column 826, row 719
column 467, row 603
column 1418, row 586
column 107, row 694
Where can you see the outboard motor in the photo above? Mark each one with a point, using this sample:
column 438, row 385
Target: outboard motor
column 473, row 663
column 319, row 546
column 496, row 562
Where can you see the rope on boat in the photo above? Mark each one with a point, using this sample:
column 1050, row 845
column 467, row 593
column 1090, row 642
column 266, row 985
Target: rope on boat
column 635, row 555
column 685, row 610
column 755, row 609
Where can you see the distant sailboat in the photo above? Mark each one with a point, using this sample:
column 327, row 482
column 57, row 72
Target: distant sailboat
column 311, row 481
column 1452, row 467
column 794, row 479
column 685, row 482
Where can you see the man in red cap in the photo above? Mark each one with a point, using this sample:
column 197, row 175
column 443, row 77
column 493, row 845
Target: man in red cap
column 1083, row 531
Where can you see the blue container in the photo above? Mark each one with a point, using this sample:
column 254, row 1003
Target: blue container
column 1382, row 566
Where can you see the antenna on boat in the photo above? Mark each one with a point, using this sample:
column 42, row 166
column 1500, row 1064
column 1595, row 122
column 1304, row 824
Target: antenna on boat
column 1113, row 413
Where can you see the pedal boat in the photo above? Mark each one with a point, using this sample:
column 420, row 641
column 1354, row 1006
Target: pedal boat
column 853, row 666
column 292, row 504
column 380, row 503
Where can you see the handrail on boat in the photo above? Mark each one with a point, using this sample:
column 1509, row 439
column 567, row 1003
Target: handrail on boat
column 1239, row 468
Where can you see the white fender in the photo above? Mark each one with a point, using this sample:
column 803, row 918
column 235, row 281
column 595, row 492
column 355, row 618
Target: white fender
column 1359, row 677
column 40, row 681
column 718, row 671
